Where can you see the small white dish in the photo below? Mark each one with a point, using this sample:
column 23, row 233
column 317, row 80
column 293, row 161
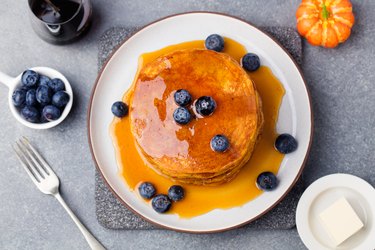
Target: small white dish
column 13, row 83
column 320, row 195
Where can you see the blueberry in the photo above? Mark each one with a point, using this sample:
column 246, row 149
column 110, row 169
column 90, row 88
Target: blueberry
column 214, row 42
column 31, row 98
column 43, row 80
column 176, row 193
column 182, row 97
column 51, row 113
column 30, row 114
column 205, row 105
column 147, row 190
column 182, row 115
column 161, row 203
column 44, row 95
column 42, row 118
column 219, row 143
column 250, row 62
column 267, row 181
column 19, row 97
column 56, row 85
column 60, row 99
column 29, row 78
column 285, row 144
column 120, row 109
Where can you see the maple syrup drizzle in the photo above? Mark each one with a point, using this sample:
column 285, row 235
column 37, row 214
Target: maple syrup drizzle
column 202, row 199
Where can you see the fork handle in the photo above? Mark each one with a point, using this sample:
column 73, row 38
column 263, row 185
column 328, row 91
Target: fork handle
column 93, row 243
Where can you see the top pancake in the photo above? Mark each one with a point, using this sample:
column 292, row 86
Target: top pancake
column 183, row 152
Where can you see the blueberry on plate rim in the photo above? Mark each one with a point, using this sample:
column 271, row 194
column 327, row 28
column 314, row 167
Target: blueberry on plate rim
column 285, row 144
column 146, row 190
column 214, row 42
column 51, row 113
column 161, row 203
column 182, row 115
column 250, row 62
column 30, row 114
column 19, row 97
column 267, row 181
column 29, row 78
column 182, row 97
column 205, row 105
column 119, row 109
column 176, row 193
column 219, row 143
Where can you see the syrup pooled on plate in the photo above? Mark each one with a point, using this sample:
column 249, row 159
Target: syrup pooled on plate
column 202, row 199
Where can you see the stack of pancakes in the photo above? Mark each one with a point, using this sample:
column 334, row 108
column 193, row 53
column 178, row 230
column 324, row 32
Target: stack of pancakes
column 183, row 152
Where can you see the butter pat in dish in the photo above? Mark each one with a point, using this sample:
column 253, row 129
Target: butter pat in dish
column 340, row 221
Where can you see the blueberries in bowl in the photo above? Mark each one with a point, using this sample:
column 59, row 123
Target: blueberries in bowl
column 161, row 203
column 176, row 193
column 147, row 190
column 120, row 109
column 267, row 181
column 40, row 99
column 219, row 143
column 250, row 62
column 29, row 78
column 30, row 114
column 31, row 98
column 44, row 95
column 43, row 80
column 285, row 144
column 182, row 97
column 51, row 113
column 182, row 116
column 56, row 85
column 214, row 42
column 60, row 99
column 205, row 105
column 19, row 97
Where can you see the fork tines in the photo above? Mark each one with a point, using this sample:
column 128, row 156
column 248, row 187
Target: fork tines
column 31, row 160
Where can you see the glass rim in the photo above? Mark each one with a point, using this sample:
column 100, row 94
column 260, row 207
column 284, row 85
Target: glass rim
column 49, row 23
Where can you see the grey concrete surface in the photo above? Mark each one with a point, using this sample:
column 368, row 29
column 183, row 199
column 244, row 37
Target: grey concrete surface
column 341, row 82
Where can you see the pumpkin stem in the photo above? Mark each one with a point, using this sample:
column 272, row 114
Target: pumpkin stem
column 325, row 12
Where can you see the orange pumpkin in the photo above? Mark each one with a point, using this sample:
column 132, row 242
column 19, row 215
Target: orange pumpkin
column 325, row 22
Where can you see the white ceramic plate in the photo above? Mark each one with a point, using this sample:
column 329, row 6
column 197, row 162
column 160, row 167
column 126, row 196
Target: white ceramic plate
column 320, row 195
column 295, row 113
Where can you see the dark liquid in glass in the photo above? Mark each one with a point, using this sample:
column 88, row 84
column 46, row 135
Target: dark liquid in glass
column 62, row 21
column 65, row 10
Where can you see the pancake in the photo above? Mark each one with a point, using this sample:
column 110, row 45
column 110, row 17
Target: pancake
column 183, row 152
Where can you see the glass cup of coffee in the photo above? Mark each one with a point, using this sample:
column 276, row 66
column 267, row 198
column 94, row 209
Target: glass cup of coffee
column 60, row 21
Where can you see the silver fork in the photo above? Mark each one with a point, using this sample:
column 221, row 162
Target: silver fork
column 47, row 181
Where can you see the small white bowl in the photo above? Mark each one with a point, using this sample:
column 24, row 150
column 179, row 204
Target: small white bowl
column 319, row 195
column 13, row 83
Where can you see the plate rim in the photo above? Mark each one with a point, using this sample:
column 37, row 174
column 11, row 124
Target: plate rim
column 116, row 48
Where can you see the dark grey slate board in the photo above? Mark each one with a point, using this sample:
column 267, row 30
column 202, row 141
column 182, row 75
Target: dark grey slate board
column 113, row 215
